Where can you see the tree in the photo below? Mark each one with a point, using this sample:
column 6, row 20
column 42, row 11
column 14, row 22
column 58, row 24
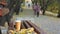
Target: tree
column 44, row 4
column 58, row 9
column 53, row 6
column 32, row 1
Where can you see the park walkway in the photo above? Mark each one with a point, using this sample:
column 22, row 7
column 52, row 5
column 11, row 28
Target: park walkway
column 50, row 25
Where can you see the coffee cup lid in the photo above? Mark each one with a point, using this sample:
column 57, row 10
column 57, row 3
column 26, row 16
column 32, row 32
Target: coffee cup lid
column 18, row 21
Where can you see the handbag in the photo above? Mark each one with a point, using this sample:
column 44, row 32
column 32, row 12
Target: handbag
column 0, row 12
column 40, row 12
column 4, row 11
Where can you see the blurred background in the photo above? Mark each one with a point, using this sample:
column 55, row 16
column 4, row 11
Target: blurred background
column 47, row 15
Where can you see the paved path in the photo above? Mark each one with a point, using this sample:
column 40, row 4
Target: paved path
column 50, row 25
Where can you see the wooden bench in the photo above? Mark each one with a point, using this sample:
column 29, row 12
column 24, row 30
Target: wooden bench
column 28, row 24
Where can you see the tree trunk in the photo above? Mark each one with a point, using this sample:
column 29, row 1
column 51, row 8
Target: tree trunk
column 44, row 7
column 58, row 9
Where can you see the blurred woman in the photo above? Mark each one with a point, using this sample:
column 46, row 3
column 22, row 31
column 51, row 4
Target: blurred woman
column 36, row 9
column 3, row 12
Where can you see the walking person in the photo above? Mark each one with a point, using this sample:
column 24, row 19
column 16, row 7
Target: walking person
column 36, row 9
column 28, row 5
column 3, row 12
column 17, row 7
